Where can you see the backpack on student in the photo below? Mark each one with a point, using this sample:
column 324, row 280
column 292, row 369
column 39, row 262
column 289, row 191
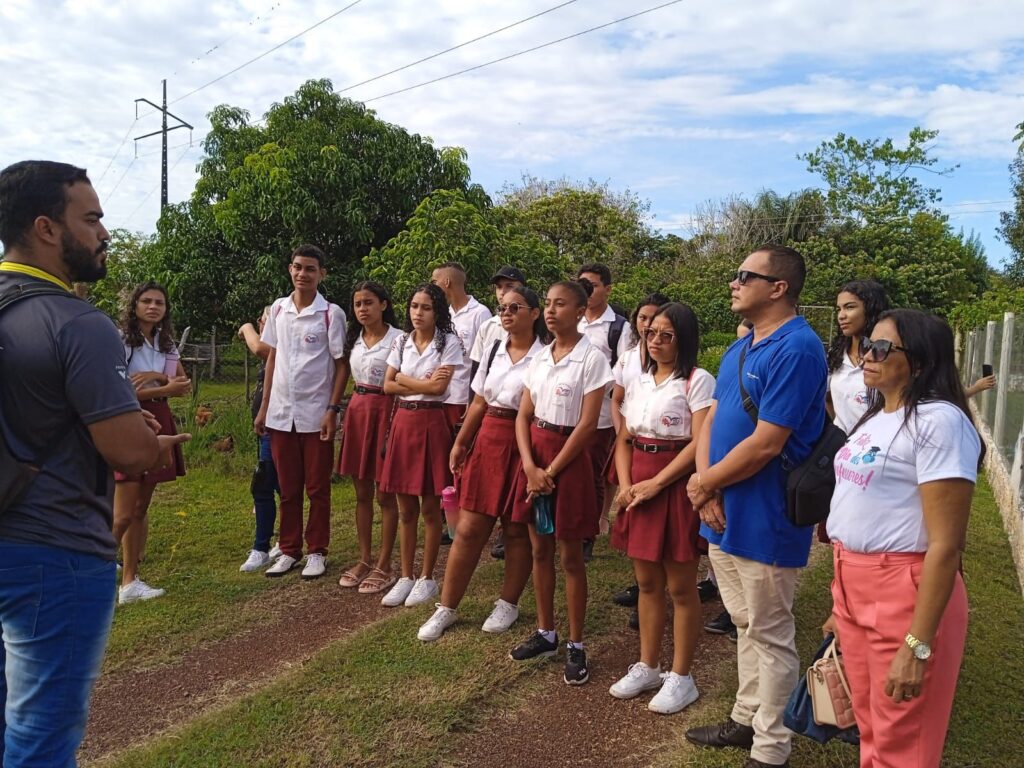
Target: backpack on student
column 614, row 334
column 17, row 475
column 809, row 484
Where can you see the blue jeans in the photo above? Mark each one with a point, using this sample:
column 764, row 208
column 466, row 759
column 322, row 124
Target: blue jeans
column 55, row 609
column 263, row 498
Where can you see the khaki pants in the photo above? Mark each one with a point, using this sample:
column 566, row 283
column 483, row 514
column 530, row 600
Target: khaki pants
column 759, row 599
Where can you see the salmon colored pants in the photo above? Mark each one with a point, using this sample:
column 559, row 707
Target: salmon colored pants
column 874, row 597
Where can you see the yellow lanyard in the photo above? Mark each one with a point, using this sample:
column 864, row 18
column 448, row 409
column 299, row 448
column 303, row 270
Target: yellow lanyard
column 25, row 269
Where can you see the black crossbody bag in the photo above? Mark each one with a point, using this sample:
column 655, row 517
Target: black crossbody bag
column 17, row 475
column 809, row 484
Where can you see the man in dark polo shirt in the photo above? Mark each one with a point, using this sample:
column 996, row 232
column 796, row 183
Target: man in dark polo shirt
column 67, row 406
column 739, row 490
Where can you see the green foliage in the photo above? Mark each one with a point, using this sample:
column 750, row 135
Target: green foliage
column 1011, row 223
column 129, row 263
column 1004, row 296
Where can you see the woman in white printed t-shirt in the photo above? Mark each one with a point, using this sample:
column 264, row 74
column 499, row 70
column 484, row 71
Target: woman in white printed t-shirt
column 420, row 368
column 555, row 493
column 658, row 528
column 486, row 456
column 898, row 522
column 371, row 334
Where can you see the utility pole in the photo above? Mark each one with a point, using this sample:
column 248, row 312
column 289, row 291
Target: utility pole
column 163, row 132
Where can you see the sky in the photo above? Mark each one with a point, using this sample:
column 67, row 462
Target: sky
column 690, row 103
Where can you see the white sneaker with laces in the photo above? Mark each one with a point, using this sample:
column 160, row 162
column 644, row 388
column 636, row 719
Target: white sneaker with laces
column 677, row 693
column 397, row 594
column 502, row 617
column 275, row 552
column 137, row 590
column 255, row 561
column 422, row 591
column 281, row 566
column 316, row 564
column 437, row 624
column 639, row 678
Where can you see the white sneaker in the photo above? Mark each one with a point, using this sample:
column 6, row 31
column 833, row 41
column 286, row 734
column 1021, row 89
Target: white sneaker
column 255, row 561
column 281, row 566
column 275, row 552
column 502, row 617
column 137, row 590
column 677, row 693
column 639, row 678
column 396, row 596
column 422, row 591
column 316, row 564
column 437, row 624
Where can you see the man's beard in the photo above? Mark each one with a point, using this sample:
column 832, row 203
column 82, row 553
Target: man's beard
column 83, row 264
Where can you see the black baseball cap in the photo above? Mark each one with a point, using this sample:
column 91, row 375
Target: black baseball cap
column 509, row 273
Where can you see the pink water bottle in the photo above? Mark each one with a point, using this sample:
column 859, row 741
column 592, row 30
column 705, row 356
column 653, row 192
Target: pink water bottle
column 450, row 504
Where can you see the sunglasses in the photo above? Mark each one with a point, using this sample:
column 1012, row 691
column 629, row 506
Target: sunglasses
column 664, row 337
column 879, row 349
column 512, row 308
column 743, row 275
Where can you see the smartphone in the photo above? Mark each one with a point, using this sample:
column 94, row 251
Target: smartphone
column 986, row 369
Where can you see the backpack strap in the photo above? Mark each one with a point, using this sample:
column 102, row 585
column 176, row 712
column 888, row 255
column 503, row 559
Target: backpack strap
column 490, row 357
column 748, row 402
column 614, row 334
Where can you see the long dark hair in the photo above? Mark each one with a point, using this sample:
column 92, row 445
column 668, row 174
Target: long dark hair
column 684, row 325
column 354, row 326
column 442, row 316
column 540, row 328
column 163, row 332
column 927, row 341
column 872, row 295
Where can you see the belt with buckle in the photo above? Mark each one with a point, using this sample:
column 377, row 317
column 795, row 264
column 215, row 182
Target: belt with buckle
column 365, row 389
column 501, row 413
column 420, row 405
column 646, row 446
column 556, row 428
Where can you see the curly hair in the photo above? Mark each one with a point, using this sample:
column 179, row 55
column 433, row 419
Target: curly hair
column 872, row 295
column 442, row 315
column 163, row 331
column 354, row 326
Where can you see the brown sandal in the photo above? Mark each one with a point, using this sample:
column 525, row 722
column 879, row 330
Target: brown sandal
column 351, row 579
column 377, row 581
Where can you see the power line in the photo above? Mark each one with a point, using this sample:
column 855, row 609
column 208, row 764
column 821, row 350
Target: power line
column 525, row 51
column 154, row 189
column 456, row 47
column 118, row 184
column 227, row 39
column 116, row 152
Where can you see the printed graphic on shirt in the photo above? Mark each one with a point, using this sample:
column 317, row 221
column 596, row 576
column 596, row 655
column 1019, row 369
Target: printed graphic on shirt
column 671, row 419
column 863, row 454
column 377, row 372
column 563, row 390
column 861, row 398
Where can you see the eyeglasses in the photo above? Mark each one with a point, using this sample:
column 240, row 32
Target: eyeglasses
column 664, row 337
column 512, row 308
column 743, row 275
column 879, row 349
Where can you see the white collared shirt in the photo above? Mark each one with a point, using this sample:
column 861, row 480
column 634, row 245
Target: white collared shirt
column 628, row 369
column 489, row 332
column 369, row 364
column 466, row 322
column 306, row 345
column 849, row 395
column 148, row 358
column 422, row 366
column 665, row 411
column 501, row 383
column 597, row 333
column 557, row 389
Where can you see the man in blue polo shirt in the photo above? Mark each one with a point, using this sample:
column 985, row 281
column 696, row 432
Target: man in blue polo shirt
column 739, row 491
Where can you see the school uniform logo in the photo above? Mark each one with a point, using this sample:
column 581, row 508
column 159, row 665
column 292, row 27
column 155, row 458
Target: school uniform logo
column 376, row 371
column 861, row 398
column 563, row 390
column 311, row 338
column 671, row 419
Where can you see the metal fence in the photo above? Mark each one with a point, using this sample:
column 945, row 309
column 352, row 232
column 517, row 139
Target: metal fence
column 1001, row 345
column 217, row 361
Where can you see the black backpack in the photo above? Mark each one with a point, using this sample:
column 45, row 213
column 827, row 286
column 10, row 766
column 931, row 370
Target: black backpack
column 17, row 475
column 810, row 484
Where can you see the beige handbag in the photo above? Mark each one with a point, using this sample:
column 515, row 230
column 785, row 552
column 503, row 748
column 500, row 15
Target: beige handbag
column 830, row 693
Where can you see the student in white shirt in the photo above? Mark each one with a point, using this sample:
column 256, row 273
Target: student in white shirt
column 486, row 455
column 655, row 454
column 898, row 520
column 302, row 392
column 420, row 368
column 491, row 330
column 563, row 391
column 154, row 367
column 858, row 305
column 371, row 334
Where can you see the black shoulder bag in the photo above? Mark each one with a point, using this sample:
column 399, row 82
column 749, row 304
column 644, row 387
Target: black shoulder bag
column 809, row 484
column 17, row 475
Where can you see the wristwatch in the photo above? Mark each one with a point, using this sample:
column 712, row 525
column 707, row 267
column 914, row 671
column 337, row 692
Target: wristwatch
column 921, row 650
column 335, row 408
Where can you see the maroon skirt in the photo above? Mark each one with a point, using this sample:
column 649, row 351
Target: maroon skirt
column 663, row 528
column 575, row 499
column 162, row 411
column 490, row 473
column 363, row 430
column 416, row 459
